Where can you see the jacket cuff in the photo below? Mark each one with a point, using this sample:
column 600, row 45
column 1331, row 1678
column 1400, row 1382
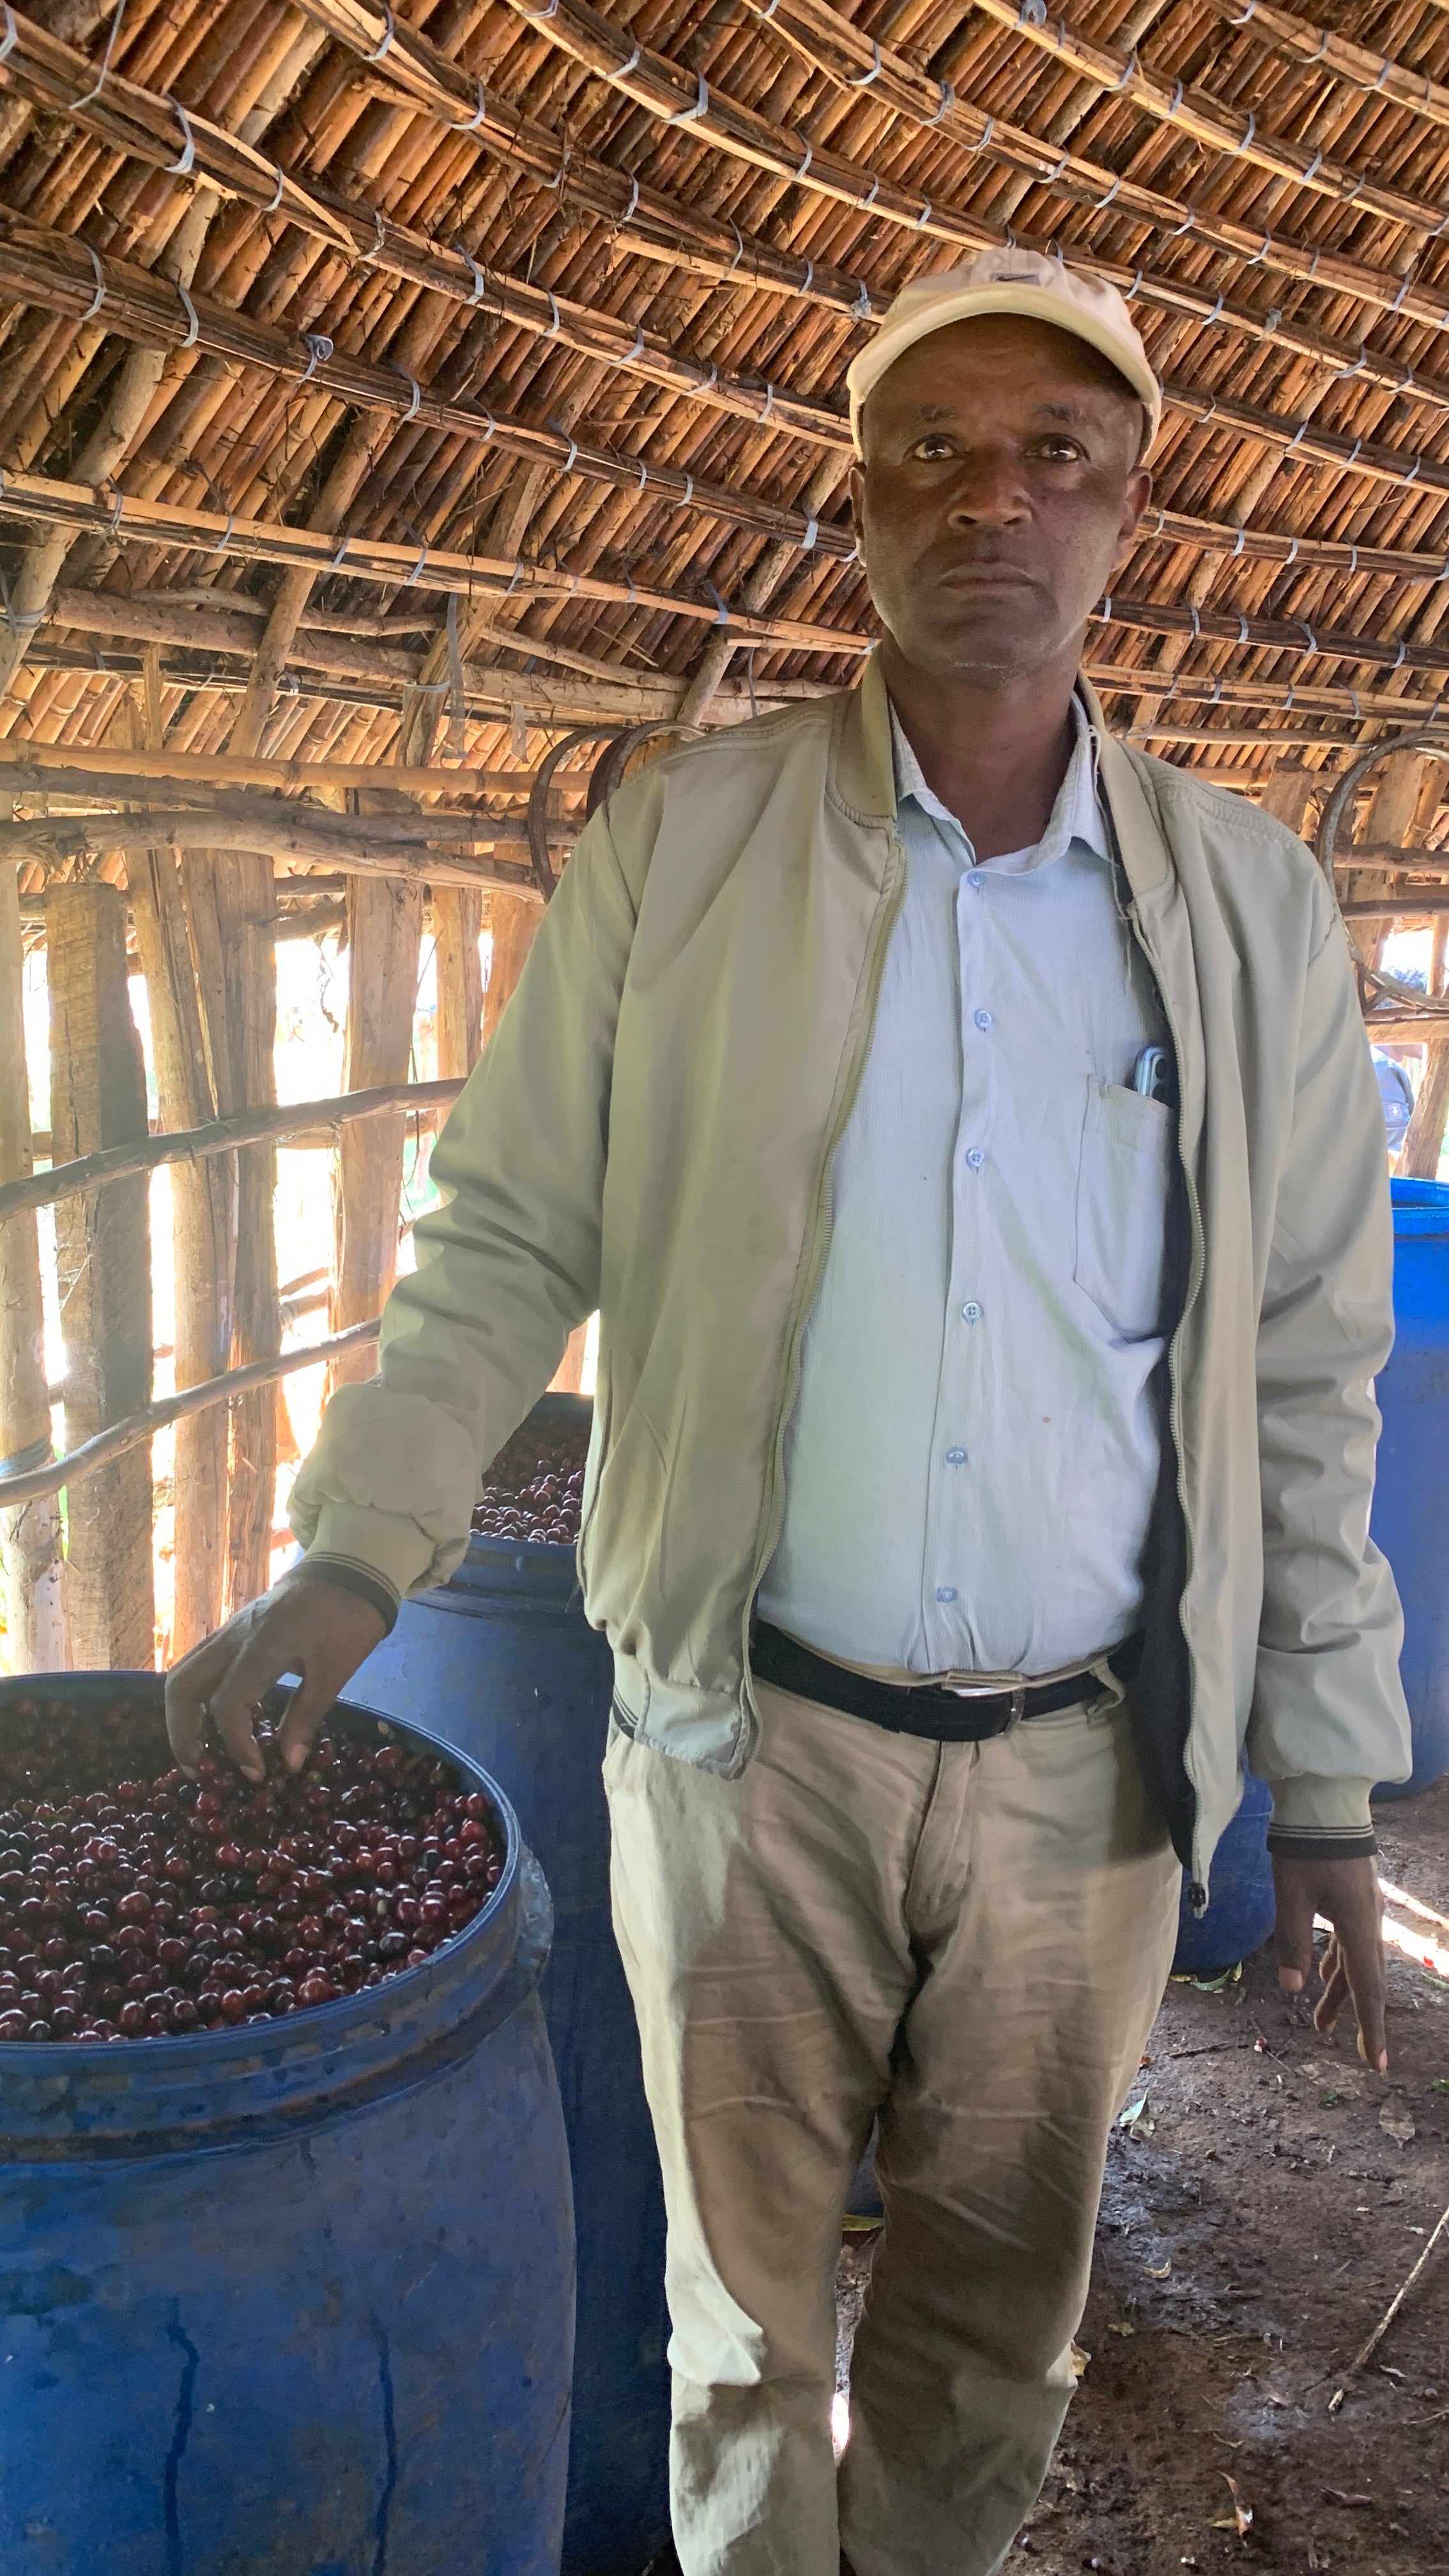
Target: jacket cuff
column 1317, row 1818
column 347, row 1577
column 389, row 1546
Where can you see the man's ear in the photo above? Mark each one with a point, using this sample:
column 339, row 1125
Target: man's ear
column 1134, row 503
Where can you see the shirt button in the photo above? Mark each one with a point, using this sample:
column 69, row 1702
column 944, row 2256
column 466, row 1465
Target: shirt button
column 974, row 883
column 971, row 1312
column 982, row 1019
column 975, row 1158
column 955, row 1457
column 945, row 1592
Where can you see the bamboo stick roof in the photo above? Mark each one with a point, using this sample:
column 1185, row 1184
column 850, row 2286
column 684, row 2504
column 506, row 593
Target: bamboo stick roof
column 512, row 333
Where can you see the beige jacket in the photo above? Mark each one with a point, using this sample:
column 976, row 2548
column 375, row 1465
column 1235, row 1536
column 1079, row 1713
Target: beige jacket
column 650, row 1132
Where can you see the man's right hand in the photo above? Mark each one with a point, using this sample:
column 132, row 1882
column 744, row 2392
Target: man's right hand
column 303, row 1625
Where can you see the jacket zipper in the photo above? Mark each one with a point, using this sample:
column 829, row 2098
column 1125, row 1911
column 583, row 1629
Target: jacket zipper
column 820, row 1225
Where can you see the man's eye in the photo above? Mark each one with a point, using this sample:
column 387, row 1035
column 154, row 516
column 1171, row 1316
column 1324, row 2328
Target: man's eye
column 931, row 449
column 1060, row 451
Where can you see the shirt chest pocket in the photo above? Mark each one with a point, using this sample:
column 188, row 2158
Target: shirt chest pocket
column 1122, row 1186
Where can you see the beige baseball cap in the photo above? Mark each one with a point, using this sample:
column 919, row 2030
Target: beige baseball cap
column 1009, row 281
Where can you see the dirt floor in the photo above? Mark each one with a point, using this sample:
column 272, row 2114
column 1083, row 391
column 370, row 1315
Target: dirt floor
column 1290, row 2192
column 1258, row 2217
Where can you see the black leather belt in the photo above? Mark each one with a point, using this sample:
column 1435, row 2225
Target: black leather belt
column 944, row 1716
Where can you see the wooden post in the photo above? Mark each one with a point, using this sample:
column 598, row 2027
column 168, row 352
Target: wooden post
column 231, row 910
column 200, row 1223
column 1401, row 784
column 1424, row 1142
column 457, row 927
column 98, row 1098
column 515, row 918
column 30, row 1557
column 257, row 1322
column 1288, row 793
column 384, row 921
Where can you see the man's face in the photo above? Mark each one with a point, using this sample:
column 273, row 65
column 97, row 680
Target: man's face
column 999, row 493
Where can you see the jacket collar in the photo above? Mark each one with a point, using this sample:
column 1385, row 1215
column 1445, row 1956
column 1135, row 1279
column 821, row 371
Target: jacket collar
column 863, row 778
column 1141, row 840
column 862, row 774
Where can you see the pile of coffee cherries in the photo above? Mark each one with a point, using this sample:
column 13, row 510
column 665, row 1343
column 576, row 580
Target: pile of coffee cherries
column 138, row 1904
column 535, row 1487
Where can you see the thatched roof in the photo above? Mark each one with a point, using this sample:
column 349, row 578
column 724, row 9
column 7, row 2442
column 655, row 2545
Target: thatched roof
column 545, row 310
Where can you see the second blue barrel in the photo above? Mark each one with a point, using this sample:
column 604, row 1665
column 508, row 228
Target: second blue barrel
column 1411, row 1501
column 501, row 1663
column 1241, row 1913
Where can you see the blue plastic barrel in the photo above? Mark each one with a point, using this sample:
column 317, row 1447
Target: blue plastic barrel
column 294, row 2297
column 1411, row 1500
column 1241, row 1910
column 502, row 1663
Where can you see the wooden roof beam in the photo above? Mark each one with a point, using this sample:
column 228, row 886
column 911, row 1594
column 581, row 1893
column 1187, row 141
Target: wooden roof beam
column 1210, row 121
column 136, row 121
column 417, row 70
column 67, row 768
column 66, row 276
column 276, row 831
column 854, row 60
column 492, row 697
column 673, row 95
column 151, row 619
column 41, row 500
column 63, row 275
column 1298, row 40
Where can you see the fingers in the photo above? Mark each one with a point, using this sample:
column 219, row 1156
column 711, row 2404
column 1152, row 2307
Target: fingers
column 1346, row 1892
column 1363, row 1962
column 306, row 1711
column 236, row 1700
column 189, row 1686
column 335, row 1632
column 1335, row 1987
column 307, row 1626
column 1293, row 1935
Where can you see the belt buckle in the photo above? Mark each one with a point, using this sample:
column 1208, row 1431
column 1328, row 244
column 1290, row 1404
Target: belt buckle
column 1015, row 1692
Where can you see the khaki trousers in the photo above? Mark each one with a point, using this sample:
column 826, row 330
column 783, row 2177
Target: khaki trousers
column 969, row 1942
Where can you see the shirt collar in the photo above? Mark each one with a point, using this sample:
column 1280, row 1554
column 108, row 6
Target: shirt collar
column 1076, row 815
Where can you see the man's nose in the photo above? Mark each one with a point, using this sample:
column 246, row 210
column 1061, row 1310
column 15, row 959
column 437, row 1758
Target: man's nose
column 988, row 491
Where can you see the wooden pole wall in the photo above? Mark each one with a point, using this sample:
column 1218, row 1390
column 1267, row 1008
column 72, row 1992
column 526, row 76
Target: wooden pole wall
column 515, row 918
column 384, row 919
column 1289, row 793
column 103, row 1266
column 30, row 1548
column 457, row 929
column 201, row 1195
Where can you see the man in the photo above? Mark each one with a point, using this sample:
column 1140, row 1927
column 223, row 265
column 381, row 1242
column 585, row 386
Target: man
column 1396, row 1096
column 965, row 1129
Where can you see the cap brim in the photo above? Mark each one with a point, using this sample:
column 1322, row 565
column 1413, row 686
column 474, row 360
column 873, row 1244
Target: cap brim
column 1033, row 304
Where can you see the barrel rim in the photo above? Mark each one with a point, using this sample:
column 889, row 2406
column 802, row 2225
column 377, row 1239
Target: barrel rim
column 1420, row 1208
column 296, row 2060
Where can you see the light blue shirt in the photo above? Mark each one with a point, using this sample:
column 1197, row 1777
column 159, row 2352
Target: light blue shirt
column 973, row 1452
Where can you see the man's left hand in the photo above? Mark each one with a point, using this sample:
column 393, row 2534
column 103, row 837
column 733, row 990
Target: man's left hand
column 1346, row 1894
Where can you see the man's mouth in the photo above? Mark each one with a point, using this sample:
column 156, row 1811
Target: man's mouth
column 986, row 576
